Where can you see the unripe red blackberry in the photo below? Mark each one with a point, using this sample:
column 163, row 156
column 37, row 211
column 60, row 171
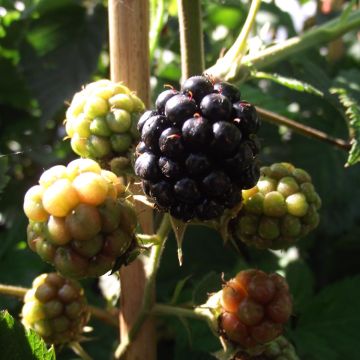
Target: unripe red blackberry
column 56, row 308
column 198, row 149
column 101, row 120
column 80, row 220
column 255, row 306
column 279, row 210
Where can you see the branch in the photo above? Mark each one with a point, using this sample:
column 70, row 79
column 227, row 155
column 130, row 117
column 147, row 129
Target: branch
column 302, row 129
column 147, row 304
column 98, row 313
column 191, row 38
column 225, row 69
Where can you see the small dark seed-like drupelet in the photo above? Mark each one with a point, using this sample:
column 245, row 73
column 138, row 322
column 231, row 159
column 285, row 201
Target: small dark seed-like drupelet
column 170, row 143
column 226, row 139
column 163, row 193
column 145, row 117
column 197, row 87
column 151, row 131
column 216, row 184
column 250, row 176
column 209, row 209
column 180, row 108
column 163, row 98
column 170, row 169
column 197, row 133
column 216, row 107
column 246, row 117
column 228, row 90
column 146, row 167
column 186, row 190
column 197, row 165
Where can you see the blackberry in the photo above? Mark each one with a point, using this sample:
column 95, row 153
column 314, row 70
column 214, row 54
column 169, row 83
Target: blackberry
column 254, row 308
column 193, row 158
column 280, row 209
column 73, row 213
column 144, row 117
column 56, row 308
column 101, row 119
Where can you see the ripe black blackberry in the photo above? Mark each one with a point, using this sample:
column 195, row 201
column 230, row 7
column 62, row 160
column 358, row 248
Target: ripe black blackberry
column 198, row 149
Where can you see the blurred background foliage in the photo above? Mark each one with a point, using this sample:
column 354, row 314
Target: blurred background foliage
column 50, row 48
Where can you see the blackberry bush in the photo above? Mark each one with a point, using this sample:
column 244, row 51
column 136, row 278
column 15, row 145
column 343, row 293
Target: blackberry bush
column 198, row 149
column 79, row 219
column 101, row 121
column 280, row 209
column 255, row 306
column 56, row 308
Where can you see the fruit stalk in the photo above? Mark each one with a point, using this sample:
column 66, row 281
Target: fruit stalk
column 129, row 62
column 191, row 38
column 302, row 129
column 148, row 299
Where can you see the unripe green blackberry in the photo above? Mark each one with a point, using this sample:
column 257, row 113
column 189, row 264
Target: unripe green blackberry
column 80, row 220
column 279, row 349
column 255, row 306
column 101, row 119
column 56, row 308
column 280, row 209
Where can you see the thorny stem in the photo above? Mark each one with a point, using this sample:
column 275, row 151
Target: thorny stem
column 79, row 350
column 302, row 129
column 228, row 66
column 98, row 313
column 191, row 38
column 227, row 69
column 151, row 270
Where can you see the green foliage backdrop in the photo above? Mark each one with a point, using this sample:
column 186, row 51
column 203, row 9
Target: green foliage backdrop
column 48, row 49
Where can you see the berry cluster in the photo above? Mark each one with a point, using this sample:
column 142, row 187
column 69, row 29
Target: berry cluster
column 279, row 349
column 101, row 120
column 79, row 218
column 55, row 308
column 198, row 149
column 280, row 209
column 255, row 306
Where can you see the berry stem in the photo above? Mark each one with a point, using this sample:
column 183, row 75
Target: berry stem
column 191, row 38
column 10, row 290
column 151, row 271
column 98, row 313
column 228, row 66
column 194, row 313
column 302, row 129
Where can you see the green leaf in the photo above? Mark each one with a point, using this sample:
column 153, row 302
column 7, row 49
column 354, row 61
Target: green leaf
column 292, row 84
column 178, row 289
column 329, row 327
column 346, row 87
column 4, row 179
column 60, row 53
column 301, row 281
column 17, row 343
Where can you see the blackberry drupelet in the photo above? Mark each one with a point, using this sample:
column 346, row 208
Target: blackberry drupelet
column 198, row 149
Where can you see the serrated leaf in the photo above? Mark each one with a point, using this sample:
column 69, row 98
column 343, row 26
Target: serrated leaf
column 4, row 179
column 346, row 87
column 17, row 343
column 329, row 327
column 292, row 84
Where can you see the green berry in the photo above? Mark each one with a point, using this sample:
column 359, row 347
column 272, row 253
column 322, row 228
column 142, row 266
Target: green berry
column 120, row 142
